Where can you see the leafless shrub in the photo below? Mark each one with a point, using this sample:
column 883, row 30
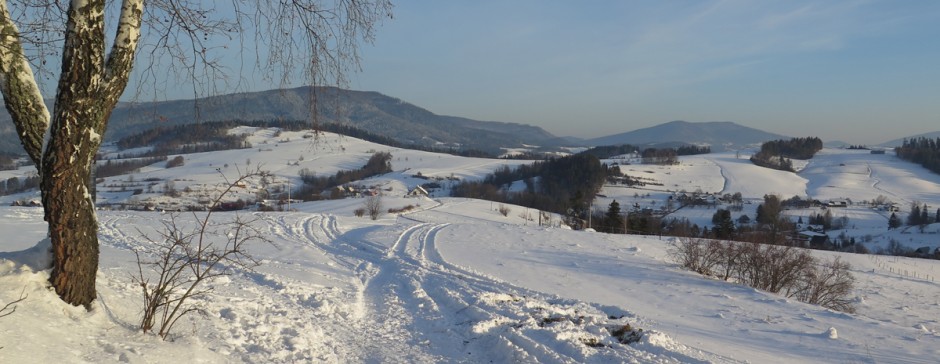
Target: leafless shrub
column 773, row 268
column 785, row 270
column 695, row 255
column 186, row 260
column 360, row 212
column 402, row 209
column 503, row 210
column 10, row 307
column 829, row 285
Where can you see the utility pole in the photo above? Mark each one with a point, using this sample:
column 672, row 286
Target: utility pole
column 590, row 213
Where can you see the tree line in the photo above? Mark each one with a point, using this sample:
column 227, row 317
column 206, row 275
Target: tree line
column 923, row 151
column 213, row 135
column 18, row 184
column 314, row 185
column 185, row 139
column 648, row 155
column 8, row 162
column 777, row 154
column 564, row 185
column 112, row 168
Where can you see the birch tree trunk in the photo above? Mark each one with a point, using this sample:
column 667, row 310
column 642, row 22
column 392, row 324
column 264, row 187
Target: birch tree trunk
column 88, row 89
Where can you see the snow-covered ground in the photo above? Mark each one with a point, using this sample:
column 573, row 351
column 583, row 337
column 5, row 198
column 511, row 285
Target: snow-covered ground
column 456, row 281
column 855, row 176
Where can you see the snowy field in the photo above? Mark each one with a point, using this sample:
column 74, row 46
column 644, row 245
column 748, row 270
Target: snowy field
column 833, row 174
column 456, row 281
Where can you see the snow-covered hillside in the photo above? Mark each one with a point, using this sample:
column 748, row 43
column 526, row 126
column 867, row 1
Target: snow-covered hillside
column 854, row 176
column 454, row 280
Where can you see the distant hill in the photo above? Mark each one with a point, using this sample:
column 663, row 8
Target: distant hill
column 369, row 111
column 721, row 136
column 897, row 142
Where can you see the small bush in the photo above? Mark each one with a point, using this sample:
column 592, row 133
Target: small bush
column 503, row 210
column 401, row 209
column 785, row 270
column 360, row 212
column 829, row 285
column 626, row 334
column 185, row 262
column 175, row 162
column 592, row 342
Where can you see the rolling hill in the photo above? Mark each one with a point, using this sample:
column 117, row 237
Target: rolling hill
column 721, row 136
column 370, row 111
column 897, row 142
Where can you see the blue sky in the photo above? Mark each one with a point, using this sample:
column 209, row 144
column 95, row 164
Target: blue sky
column 857, row 71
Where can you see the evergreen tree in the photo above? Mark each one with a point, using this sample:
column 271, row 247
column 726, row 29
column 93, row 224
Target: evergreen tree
column 724, row 225
column 612, row 218
column 924, row 218
column 914, row 217
column 894, row 222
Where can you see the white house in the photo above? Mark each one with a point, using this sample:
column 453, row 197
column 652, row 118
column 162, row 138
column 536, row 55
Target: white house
column 418, row 192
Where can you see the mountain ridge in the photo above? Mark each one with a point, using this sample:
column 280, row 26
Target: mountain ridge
column 397, row 119
column 367, row 110
column 720, row 135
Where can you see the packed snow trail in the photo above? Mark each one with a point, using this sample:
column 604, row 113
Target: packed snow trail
column 413, row 297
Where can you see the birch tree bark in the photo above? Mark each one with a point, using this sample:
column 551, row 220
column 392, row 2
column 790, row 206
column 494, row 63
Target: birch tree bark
column 88, row 89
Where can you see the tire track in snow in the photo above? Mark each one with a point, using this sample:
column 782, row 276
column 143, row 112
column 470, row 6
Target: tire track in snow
column 443, row 309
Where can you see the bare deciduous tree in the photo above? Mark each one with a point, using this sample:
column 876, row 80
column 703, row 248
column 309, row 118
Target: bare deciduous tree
column 373, row 206
column 316, row 38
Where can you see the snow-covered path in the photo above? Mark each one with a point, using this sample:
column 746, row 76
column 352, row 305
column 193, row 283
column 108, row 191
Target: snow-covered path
column 439, row 309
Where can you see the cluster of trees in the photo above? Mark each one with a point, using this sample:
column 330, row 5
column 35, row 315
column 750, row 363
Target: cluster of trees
column 352, row 131
column 565, row 185
column 920, row 215
column 777, row 154
column 16, row 185
column 7, row 162
column 663, row 156
column 824, row 220
column 693, row 150
column 184, row 139
column 177, row 161
column 649, row 155
column 610, row 151
column 619, row 221
column 112, row 168
column 923, row 151
column 379, row 163
column 784, row 270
